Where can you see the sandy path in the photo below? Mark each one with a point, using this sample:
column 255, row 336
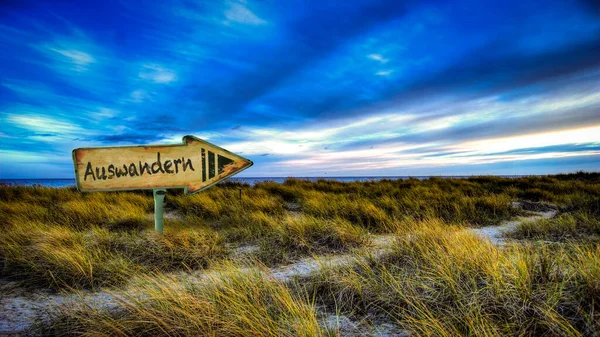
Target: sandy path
column 311, row 265
column 495, row 233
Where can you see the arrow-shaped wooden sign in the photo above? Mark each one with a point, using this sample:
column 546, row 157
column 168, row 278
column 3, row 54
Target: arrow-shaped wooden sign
column 194, row 165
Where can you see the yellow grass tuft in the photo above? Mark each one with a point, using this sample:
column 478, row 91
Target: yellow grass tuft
column 228, row 302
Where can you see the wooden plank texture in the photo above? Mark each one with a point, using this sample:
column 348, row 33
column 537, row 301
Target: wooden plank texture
column 193, row 165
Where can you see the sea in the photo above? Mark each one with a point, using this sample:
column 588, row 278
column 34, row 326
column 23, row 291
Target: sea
column 251, row 180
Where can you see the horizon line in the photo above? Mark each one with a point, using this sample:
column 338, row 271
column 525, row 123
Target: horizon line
column 358, row 176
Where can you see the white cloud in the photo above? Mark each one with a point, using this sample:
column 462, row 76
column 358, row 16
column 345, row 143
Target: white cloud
column 79, row 59
column 29, row 157
column 138, row 96
column 119, row 128
column 71, row 53
column 438, row 124
column 379, row 146
column 378, row 57
column 485, row 151
column 157, row 74
column 43, row 124
column 103, row 113
column 313, row 140
column 574, row 136
column 353, row 161
column 384, row 72
column 27, row 88
column 238, row 12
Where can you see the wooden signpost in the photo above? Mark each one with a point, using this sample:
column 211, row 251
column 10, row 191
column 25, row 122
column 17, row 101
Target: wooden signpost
column 194, row 165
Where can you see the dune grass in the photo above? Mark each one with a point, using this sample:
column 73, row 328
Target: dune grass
column 303, row 235
column 579, row 226
column 578, row 221
column 64, row 239
column 378, row 205
column 443, row 281
column 229, row 302
column 57, row 256
column 438, row 280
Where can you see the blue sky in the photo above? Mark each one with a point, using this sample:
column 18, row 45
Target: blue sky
column 306, row 88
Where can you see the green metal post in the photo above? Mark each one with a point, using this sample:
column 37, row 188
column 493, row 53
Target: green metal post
column 159, row 200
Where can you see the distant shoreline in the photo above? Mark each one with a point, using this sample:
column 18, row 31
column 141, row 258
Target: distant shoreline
column 348, row 177
column 67, row 182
